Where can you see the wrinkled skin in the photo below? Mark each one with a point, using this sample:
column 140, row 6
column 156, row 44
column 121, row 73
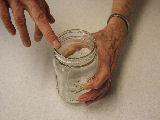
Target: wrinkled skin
column 40, row 13
column 108, row 42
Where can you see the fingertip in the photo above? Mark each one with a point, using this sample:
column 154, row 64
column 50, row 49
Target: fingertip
column 11, row 30
column 38, row 38
column 51, row 19
column 27, row 44
column 88, row 86
column 87, row 103
column 52, row 39
column 82, row 99
column 56, row 44
column 79, row 100
column 13, row 33
column 26, row 40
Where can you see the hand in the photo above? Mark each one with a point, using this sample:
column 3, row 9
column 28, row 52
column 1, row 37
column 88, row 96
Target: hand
column 108, row 43
column 40, row 13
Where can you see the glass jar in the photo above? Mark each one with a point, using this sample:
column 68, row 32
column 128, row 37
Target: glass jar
column 75, row 63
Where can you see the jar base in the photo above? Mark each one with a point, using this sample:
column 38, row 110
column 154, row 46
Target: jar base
column 70, row 100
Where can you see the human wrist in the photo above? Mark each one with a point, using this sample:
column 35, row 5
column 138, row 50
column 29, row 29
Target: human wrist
column 122, row 12
column 118, row 23
column 124, row 7
column 115, row 31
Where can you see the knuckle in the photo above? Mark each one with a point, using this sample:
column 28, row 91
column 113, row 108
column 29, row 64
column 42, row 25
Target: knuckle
column 5, row 17
column 106, row 71
column 91, row 97
column 50, row 35
column 9, row 26
column 41, row 17
column 20, row 20
column 96, row 85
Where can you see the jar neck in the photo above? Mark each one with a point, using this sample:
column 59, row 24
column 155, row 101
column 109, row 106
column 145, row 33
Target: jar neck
column 72, row 39
column 77, row 62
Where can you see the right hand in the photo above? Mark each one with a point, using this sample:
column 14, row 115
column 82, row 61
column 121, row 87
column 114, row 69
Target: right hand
column 109, row 41
column 40, row 13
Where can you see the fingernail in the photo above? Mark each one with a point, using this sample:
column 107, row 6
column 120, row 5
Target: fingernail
column 87, row 86
column 56, row 44
column 52, row 20
column 27, row 44
column 37, row 38
column 83, row 99
column 13, row 32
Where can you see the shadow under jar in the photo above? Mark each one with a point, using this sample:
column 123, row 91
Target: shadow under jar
column 75, row 63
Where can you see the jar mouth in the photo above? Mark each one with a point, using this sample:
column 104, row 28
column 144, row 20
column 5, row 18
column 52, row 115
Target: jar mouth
column 85, row 33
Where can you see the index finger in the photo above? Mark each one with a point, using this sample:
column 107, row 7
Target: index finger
column 41, row 21
column 73, row 48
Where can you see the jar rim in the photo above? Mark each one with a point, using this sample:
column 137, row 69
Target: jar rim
column 83, row 32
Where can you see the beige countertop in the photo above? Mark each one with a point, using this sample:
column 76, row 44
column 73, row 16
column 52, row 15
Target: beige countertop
column 27, row 77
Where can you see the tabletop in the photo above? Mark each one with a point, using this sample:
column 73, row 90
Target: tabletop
column 27, row 76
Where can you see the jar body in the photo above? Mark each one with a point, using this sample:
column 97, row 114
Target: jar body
column 76, row 70
column 70, row 80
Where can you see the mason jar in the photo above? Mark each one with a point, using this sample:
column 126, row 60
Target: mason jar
column 75, row 63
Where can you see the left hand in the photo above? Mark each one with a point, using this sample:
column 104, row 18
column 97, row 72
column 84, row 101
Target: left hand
column 39, row 12
column 108, row 41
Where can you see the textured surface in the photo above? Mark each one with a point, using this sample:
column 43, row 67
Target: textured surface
column 27, row 78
